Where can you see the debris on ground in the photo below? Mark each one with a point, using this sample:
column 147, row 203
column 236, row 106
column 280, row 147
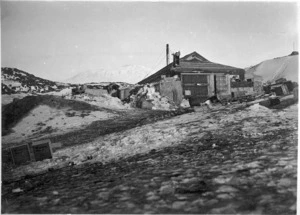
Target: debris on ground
column 146, row 97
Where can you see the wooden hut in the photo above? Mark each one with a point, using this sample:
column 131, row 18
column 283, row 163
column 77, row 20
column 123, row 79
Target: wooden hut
column 200, row 78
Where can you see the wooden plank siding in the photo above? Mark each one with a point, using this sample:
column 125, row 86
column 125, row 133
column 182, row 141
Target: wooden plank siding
column 197, row 85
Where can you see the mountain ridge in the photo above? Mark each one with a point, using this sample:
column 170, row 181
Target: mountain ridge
column 127, row 73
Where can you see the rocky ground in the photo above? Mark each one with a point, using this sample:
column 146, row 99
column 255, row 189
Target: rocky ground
column 223, row 161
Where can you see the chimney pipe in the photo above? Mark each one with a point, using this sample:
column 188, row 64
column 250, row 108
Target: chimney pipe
column 167, row 53
column 176, row 57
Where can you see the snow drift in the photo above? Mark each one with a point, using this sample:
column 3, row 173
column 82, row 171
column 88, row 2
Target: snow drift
column 43, row 119
column 271, row 70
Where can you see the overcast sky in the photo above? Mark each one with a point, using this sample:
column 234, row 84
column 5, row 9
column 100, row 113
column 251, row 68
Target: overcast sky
column 56, row 40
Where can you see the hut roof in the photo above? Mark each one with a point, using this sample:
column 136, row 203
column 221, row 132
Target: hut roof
column 190, row 63
column 195, row 61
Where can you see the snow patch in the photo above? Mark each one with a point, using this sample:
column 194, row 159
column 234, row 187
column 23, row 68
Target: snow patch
column 64, row 92
column 259, row 108
column 57, row 121
column 105, row 101
column 6, row 99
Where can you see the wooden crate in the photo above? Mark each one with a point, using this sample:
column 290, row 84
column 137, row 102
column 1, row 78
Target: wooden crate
column 20, row 154
column 41, row 149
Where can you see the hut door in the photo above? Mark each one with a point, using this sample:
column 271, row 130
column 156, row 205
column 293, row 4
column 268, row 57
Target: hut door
column 197, row 86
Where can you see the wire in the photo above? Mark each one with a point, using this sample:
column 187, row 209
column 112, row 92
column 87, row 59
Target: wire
column 159, row 59
column 158, row 62
column 156, row 65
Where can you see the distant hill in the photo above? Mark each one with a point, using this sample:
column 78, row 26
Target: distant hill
column 128, row 73
column 15, row 81
column 18, row 81
column 273, row 69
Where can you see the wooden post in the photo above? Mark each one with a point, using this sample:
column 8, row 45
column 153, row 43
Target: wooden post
column 167, row 52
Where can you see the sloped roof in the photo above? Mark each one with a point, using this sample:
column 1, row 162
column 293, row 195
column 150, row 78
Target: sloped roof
column 193, row 62
column 156, row 76
column 194, row 56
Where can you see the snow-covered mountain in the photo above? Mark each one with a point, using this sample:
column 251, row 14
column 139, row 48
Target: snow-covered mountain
column 128, row 73
column 273, row 69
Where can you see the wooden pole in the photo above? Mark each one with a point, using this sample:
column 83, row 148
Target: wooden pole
column 167, row 53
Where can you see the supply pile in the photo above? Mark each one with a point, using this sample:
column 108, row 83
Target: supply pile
column 146, row 97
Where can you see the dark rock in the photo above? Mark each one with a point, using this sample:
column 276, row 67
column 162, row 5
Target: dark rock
column 274, row 101
column 152, row 151
column 199, row 187
column 51, row 169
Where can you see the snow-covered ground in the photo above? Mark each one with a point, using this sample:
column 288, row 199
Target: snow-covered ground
column 105, row 101
column 6, row 99
column 58, row 121
column 256, row 120
column 64, row 92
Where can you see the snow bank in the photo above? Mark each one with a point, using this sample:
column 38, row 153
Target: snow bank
column 185, row 103
column 273, row 69
column 64, row 92
column 57, row 121
column 6, row 99
column 104, row 100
